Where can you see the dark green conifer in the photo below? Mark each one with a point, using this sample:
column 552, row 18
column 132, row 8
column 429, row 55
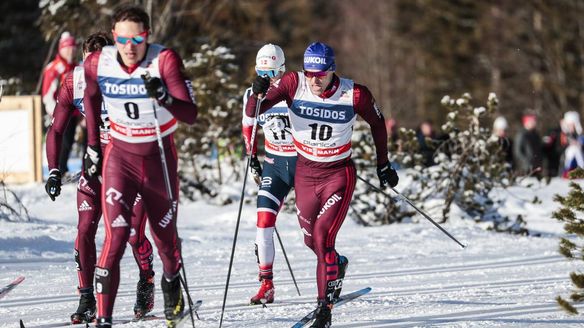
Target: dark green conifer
column 572, row 247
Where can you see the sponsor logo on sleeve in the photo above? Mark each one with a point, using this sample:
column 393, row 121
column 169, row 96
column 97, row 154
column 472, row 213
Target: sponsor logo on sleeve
column 377, row 110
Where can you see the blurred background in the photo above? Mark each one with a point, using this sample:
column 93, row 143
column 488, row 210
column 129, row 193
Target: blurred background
column 477, row 95
column 409, row 52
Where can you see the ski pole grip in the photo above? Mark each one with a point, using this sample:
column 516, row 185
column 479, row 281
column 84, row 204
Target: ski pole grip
column 146, row 77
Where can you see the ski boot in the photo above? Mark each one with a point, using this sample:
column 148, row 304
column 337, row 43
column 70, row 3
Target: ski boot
column 266, row 293
column 144, row 295
column 322, row 317
column 173, row 300
column 343, row 264
column 103, row 323
column 86, row 310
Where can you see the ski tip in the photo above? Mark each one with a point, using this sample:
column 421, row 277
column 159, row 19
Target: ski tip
column 21, row 324
column 20, row 279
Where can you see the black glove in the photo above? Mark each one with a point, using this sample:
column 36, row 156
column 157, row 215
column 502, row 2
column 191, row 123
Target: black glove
column 256, row 169
column 53, row 185
column 92, row 161
column 260, row 85
column 156, row 89
column 387, row 175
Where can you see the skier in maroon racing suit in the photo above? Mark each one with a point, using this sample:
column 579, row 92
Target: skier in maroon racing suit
column 132, row 161
column 322, row 109
column 70, row 101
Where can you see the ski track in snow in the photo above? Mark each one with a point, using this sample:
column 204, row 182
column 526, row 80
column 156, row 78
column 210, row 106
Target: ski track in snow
column 420, row 278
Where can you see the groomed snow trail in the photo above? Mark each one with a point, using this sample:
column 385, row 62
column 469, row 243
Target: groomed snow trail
column 420, row 278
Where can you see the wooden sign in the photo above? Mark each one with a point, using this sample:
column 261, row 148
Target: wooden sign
column 21, row 139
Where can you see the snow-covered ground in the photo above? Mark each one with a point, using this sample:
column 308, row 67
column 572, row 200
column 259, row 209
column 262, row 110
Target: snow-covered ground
column 420, row 278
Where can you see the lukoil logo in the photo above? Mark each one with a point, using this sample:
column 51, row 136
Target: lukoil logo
column 315, row 60
column 330, row 202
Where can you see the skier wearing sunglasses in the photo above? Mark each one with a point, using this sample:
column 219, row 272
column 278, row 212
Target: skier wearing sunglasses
column 277, row 176
column 70, row 101
column 322, row 109
column 132, row 162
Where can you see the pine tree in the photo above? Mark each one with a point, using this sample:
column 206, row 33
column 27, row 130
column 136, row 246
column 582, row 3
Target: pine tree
column 469, row 164
column 369, row 207
column 570, row 212
column 215, row 139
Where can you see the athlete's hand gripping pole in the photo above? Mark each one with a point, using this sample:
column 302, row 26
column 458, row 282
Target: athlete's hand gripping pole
column 412, row 205
column 148, row 81
column 253, row 136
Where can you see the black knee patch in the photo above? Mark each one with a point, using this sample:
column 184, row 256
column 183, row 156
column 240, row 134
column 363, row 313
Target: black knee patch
column 77, row 260
column 102, row 280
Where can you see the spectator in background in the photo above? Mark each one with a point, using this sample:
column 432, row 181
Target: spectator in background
column 392, row 127
column 500, row 130
column 394, row 144
column 527, row 150
column 571, row 140
column 552, row 151
column 53, row 75
column 427, row 141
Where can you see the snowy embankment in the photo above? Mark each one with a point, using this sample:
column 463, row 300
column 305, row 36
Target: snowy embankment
column 419, row 276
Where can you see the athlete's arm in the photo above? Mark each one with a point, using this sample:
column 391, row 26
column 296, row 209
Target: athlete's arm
column 285, row 90
column 247, row 123
column 61, row 116
column 171, row 73
column 92, row 99
column 365, row 106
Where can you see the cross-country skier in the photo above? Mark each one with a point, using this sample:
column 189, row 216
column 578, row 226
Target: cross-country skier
column 89, row 198
column 277, row 176
column 132, row 161
column 323, row 108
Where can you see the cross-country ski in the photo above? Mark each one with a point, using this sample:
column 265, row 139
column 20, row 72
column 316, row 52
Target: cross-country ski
column 340, row 301
column 6, row 289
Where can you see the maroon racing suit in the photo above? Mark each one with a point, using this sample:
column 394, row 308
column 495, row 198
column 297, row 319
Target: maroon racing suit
column 89, row 198
column 131, row 168
column 324, row 185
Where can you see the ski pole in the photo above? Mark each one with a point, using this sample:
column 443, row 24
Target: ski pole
column 146, row 77
column 72, row 178
column 252, row 141
column 414, row 206
column 287, row 262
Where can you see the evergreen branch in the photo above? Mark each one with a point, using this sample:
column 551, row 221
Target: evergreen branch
column 566, row 306
column 577, row 279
